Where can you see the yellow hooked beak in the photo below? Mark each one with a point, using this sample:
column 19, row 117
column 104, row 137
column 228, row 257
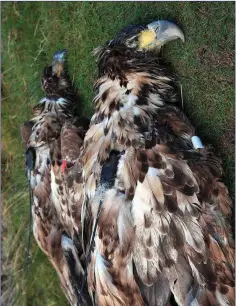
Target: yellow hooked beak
column 58, row 62
column 159, row 33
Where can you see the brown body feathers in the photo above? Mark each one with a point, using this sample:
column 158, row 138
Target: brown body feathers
column 164, row 225
column 53, row 140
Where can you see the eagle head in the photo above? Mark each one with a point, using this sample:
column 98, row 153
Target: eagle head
column 54, row 77
column 148, row 37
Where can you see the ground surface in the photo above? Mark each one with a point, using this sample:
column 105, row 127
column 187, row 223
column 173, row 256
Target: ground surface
column 32, row 32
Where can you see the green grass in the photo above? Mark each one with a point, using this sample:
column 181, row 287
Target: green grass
column 32, row 32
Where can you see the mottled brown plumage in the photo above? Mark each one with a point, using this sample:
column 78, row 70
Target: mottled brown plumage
column 164, row 225
column 53, row 139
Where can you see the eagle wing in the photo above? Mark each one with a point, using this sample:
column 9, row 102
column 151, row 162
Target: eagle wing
column 67, row 194
column 176, row 234
column 67, row 173
column 49, row 227
column 46, row 228
column 166, row 211
column 52, row 146
column 179, row 228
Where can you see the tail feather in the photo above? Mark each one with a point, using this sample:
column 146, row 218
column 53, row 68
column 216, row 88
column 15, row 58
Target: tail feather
column 76, row 272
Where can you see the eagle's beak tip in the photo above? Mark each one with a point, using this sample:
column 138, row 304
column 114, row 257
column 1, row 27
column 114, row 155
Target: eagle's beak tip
column 183, row 39
column 166, row 31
